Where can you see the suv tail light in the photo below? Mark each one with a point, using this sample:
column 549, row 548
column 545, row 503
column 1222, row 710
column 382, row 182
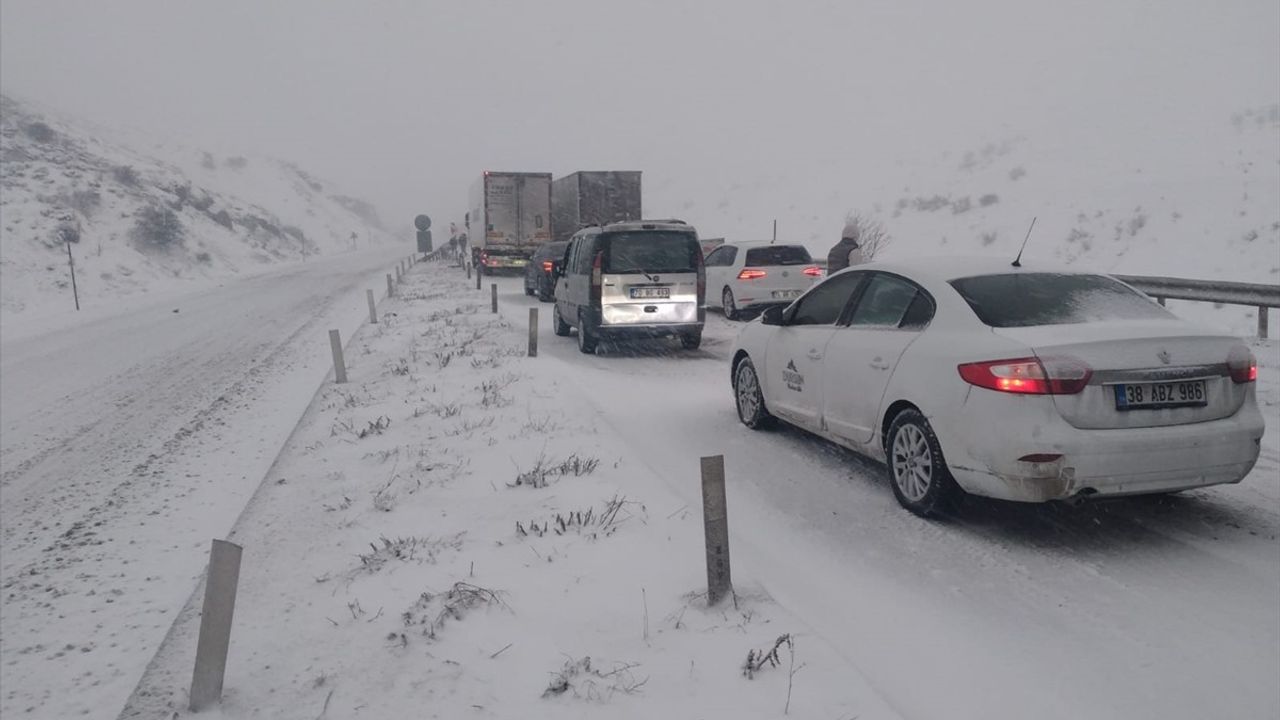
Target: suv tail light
column 1029, row 376
column 813, row 271
column 751, row 274
column 701, row 264
column 1242, row 365
column 547, row 265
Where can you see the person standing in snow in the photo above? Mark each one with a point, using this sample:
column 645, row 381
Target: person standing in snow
column 846, row 252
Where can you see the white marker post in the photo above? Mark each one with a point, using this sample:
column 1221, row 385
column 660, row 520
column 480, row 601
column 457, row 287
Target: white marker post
column 339, row 367
column 215, row 624
column 715, row 521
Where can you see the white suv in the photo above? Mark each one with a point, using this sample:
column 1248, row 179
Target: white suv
column 742, row 276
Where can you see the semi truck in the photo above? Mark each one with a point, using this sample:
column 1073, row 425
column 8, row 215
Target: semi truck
column 581, row 199
column 509, row 218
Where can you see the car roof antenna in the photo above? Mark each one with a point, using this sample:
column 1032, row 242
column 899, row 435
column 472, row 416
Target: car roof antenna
column 1017, row 262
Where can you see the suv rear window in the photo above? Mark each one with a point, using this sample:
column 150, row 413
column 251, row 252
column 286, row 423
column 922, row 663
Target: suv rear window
column 1029, row 299
column 650, row 251
column 778, row 255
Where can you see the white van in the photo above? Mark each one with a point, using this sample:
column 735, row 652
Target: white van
column 642, row 279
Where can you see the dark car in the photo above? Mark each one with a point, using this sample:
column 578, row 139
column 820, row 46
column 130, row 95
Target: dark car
column 538, row 274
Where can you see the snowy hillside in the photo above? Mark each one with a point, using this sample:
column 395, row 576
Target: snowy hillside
column 139, row 221
column 1193, row 201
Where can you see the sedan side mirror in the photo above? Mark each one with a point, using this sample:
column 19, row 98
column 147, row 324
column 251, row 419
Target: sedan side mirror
column 772, row 315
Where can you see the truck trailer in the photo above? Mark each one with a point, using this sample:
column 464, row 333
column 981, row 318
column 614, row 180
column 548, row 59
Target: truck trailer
column 581, row 199
column 509, row 218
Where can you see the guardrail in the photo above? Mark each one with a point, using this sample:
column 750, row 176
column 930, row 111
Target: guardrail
column 1259, row 295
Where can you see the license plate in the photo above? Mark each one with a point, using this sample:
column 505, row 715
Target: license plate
column 650, row 293
column 786, row 294
column 1145, row 396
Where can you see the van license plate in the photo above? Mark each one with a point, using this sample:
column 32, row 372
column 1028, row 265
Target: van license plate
column 650, row 293
column 1148, row 396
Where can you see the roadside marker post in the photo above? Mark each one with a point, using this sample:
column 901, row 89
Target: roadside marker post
column 493, row 292
column 339, row 366
column 533, row 332
column 215, row 624
column 391, row 290
column 715, row 520
column 373, row 310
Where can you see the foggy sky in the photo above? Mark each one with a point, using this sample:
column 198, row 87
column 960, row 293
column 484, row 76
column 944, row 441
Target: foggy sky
column 404, row 103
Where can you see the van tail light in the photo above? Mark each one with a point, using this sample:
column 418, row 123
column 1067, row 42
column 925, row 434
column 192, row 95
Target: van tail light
column 702, row 277
column 597, row 278
column 751, row 274
column 1242, row 365
column 813, row 271
column 547, row 265
column 1029, row 376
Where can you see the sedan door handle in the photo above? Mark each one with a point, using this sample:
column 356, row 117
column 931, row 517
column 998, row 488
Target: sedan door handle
column 815, row 355
column 879, row 364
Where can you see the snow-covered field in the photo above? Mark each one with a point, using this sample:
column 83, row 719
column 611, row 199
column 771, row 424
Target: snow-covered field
column 464, row 531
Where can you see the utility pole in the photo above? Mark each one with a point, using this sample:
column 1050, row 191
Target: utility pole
column 775, row 232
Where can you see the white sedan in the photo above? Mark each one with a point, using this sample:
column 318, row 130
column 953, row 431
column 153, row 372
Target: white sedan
column 1020, row 383
column 755, row 275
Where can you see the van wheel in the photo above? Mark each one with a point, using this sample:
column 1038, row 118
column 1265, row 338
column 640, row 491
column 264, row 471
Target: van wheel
column 730, row 307
column 558, row 325
column 917, row 471
column 691, row 341
column 749, row 398
column 586, row 341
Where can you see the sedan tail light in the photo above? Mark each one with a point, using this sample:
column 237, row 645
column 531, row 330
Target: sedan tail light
column 751, row 274
column 1242, row 365
column 1029, row 376
column 813, row 271
column 547, row 265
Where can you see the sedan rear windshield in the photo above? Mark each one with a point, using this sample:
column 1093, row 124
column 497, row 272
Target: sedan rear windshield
column 1030, row 299
column 650, row 252
column 778, row 255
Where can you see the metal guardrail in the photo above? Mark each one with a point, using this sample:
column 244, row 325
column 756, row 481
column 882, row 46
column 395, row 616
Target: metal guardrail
column 1259, row 295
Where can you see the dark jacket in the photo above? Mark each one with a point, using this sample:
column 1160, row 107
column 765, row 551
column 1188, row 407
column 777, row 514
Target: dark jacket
column 838, row 258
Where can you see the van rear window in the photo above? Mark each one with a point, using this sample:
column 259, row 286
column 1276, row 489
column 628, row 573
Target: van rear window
column 651, row 252
column 778, row 255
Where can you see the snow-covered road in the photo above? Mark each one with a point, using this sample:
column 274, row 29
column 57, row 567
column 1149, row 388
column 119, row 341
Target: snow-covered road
column 1145, row 607
column 128, row 443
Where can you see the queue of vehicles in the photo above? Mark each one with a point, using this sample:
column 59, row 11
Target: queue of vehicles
column 963, row 375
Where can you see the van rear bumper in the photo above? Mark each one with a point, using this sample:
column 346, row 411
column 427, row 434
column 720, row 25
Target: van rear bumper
column 644, row 330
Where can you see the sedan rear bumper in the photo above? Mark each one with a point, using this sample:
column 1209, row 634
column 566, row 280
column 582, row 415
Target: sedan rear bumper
column 1106, row 462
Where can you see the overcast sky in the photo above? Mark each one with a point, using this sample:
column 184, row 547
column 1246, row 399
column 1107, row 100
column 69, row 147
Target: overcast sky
column 404, row 102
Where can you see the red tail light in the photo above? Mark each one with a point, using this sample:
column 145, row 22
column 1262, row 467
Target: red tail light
column 1029, row 376
column 597, row 278
column 702, row 277
column 547, row 265
column 813, row 271
column 751, row 274
column 1242, row 365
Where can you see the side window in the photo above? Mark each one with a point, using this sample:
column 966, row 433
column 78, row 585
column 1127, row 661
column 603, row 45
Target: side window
column 824, row 304
column 717, row 257
column 733, row 255
column 919, row 314
column 885, row 302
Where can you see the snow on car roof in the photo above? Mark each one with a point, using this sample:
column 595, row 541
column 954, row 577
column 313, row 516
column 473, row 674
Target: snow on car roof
column 947, row 268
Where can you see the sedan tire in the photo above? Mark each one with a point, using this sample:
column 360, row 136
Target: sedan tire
column 730, row 307
column 917, row 471
column 749, row 399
